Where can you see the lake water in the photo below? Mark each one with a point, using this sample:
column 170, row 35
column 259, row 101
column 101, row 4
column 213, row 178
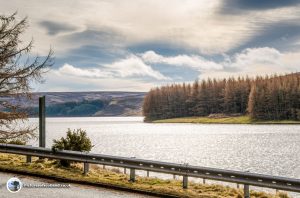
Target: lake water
column 267, row 149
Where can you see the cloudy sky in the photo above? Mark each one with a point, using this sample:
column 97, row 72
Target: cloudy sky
column 134, row 45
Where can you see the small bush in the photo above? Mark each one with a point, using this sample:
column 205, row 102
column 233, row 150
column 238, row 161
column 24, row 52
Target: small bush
column 76, row 140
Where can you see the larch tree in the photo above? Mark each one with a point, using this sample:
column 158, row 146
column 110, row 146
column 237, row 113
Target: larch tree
column 18, row 69
column 262, row 98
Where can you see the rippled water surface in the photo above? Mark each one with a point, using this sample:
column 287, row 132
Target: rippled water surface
column 269, row 149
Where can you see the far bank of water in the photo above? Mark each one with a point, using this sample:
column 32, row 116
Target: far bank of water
column 224, row 120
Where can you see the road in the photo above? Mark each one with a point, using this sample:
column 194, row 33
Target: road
column 74, row 191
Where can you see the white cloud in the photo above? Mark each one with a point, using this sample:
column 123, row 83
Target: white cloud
column 67, row 69
column 128, row 74
column 256, row 56
column 192, row 23
column 193, row 61
column 119, row 24
column 133, row 66
column 256, row 61
column 57, row 81
column 251, row 62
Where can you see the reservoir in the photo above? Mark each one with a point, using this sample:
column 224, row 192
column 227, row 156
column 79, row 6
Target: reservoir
column 268, row 149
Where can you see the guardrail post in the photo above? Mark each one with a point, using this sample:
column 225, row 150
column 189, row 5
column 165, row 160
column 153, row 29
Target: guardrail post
column 147, row 173
column 185, row 181
column 238, row 185
column 86, row 167
column 204, row 181
column 132, row 175
column 28, row 158
column 124, row 170
column 246, row 191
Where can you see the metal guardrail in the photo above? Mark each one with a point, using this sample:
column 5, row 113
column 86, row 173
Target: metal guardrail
column 185, row 170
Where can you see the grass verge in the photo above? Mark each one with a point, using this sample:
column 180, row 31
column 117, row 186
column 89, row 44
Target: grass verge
column 225, row 120
column 114, row 178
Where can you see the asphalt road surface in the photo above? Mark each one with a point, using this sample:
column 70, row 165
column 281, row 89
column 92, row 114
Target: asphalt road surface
column 73, row 191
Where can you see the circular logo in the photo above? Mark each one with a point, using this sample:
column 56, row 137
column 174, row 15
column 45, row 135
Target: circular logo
column 14, row 185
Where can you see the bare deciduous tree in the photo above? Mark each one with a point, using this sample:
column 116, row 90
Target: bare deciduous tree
column 18, row 69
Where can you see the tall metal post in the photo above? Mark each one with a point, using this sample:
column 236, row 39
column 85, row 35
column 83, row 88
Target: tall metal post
column 42, row 122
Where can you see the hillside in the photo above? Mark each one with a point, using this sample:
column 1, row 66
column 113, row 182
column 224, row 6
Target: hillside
column 61, row 104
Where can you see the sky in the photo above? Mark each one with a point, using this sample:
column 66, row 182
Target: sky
column 134, row 45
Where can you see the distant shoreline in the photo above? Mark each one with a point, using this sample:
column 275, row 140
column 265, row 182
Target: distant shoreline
column 225, row 120
column 100, row 116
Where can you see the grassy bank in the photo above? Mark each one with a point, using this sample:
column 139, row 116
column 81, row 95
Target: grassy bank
column 113, row 177
column 225, row 120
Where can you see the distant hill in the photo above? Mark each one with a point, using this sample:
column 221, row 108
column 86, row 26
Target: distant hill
column 62, row 104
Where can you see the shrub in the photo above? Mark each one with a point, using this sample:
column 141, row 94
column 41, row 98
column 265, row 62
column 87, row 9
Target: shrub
column 76, row 140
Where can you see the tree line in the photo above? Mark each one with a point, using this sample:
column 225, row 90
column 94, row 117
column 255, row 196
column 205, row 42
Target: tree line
column 81, row 108
column 263, row 98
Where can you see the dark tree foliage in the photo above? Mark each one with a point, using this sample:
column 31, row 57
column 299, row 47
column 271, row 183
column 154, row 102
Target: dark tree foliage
column 17, row 70
column 268, row 98
column 82, row 108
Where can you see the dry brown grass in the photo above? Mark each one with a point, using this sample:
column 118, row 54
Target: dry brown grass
column 114, row 177
column 224, row 120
